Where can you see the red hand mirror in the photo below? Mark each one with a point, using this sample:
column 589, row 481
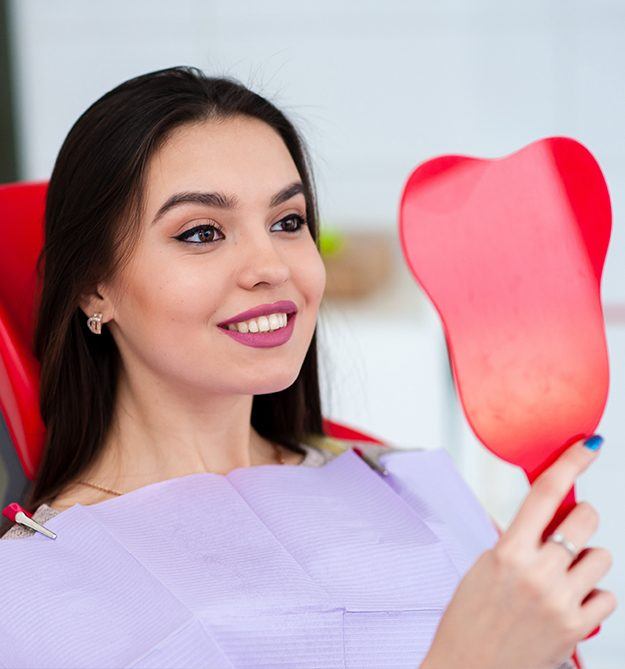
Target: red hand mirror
column 510, row 251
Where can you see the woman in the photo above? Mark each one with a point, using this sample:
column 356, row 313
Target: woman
column 177, row 204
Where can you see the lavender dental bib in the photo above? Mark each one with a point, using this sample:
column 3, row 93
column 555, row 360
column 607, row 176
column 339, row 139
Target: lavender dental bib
column 273, row 566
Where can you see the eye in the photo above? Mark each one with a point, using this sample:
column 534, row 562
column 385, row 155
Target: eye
column 297, row 222
column 206, row 231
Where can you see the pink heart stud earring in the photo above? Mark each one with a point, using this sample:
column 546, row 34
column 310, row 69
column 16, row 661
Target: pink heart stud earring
column 95, row 323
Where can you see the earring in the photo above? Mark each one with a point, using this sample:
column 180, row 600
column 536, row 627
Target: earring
column 95, row 323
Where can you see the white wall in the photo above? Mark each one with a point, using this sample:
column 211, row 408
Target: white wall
column 378, row 88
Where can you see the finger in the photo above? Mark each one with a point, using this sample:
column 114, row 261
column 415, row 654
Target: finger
column 587, row 571
column 547, row 492
column 579, row 525
column 598, row 605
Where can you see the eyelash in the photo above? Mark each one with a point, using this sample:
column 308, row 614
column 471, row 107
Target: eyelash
column 215, row 226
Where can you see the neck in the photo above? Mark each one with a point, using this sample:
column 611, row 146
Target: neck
column 158, row 434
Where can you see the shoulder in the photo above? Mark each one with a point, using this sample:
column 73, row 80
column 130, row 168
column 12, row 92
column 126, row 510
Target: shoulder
column 43, row 513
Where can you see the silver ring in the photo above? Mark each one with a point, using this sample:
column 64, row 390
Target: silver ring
column 559, row 538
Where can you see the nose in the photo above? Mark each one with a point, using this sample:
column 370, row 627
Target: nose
column 262, row 261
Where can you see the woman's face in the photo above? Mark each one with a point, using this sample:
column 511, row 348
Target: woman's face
column 182, row 281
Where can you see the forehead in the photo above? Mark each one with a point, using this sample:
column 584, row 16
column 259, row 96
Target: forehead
column 239, row 155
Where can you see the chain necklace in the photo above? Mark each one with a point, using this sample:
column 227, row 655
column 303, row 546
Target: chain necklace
column 115, row 492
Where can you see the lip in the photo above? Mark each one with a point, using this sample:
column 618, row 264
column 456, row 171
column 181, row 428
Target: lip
column 264, row 339
column 283, row 306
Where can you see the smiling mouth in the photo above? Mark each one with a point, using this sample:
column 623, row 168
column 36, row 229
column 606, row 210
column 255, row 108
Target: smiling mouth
column 289, row 316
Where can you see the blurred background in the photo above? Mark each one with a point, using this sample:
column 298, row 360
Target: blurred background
column 375, row 88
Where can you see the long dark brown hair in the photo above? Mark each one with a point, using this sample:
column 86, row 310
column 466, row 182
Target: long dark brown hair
column 94, row 197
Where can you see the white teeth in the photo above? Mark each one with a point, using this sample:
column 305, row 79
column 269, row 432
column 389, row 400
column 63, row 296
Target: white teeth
column 260, row 324
column 275, row 321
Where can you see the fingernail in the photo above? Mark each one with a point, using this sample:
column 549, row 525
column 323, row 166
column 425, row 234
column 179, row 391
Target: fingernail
column 594, row 442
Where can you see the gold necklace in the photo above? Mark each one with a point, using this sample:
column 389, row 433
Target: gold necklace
column 115, row 492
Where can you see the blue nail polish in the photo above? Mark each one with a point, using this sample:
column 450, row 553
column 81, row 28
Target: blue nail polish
column 594, row 442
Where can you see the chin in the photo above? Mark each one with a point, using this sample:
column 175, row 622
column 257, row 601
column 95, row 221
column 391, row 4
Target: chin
column 273, row 385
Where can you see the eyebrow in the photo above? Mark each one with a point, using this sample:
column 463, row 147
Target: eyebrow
column 223, row 200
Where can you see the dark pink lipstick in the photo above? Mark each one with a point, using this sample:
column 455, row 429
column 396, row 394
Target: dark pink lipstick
column 263, row 339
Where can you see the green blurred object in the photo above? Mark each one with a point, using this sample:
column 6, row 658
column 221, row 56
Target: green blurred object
column 331, row 240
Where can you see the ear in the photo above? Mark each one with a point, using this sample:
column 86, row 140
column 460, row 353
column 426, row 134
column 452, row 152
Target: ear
column 97, row 302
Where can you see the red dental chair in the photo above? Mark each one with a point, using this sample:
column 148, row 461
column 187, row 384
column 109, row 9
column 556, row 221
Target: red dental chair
column 22, row 431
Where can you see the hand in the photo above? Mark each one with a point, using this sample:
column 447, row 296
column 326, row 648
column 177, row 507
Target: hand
column 525, row 603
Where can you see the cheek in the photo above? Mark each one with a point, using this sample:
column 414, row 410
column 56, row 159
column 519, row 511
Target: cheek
column 165, row 317
column 311, row 274
column 169, row 296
